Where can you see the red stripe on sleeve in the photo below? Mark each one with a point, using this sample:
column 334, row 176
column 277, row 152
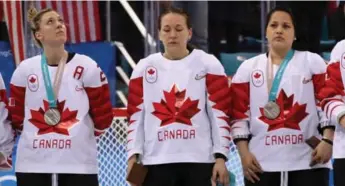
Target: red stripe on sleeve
column 16, row 106
column 240, row 100
column 100, row 106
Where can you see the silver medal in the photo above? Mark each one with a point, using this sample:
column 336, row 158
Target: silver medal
column 271, row 110
column 52, row 116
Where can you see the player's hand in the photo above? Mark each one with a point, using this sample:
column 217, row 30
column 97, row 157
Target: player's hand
column 321, row 154
column 130, row 164
column 5, row 164
column 250, row 166
column 220, row 173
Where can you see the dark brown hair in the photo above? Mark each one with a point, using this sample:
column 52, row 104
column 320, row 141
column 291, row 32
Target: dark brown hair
column 175, row 11
column 34, row 18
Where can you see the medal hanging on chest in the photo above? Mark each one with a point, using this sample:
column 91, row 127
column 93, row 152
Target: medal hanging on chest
column 272, row 109
column 52, row 116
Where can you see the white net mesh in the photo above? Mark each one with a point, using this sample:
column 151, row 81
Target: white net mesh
column 234, row 165
column 112, row 155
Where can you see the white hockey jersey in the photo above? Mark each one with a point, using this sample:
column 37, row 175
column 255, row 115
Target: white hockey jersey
column 178, row 109
column 6, row 132
column 279, row 144
column 334, row 95
column 84, row 104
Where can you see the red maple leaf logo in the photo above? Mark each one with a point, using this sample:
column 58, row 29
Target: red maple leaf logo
column 32, row 80
column 68, row 119
column 151, row 72
column 290, row 116
column 175, row 108
column 257, row 75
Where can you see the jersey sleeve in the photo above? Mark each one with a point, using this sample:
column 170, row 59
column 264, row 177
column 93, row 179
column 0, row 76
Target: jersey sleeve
column 6, row 132
column 218, row 105
column 240, row 112
column 135, row 109
column 97, row 89
column 332, row 95
column 318, row 70
column 16, row 103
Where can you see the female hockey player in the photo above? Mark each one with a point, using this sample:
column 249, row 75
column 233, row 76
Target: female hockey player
column 60, row 102
column 178, row 104
column 333, row 105
column 277, row 114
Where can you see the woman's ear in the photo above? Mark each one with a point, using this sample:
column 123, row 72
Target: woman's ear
column 38, row 35
column 190, row 34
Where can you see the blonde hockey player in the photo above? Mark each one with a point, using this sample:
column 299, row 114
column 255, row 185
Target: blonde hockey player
column 59, row 102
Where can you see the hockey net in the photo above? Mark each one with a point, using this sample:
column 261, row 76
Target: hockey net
column 112, row 154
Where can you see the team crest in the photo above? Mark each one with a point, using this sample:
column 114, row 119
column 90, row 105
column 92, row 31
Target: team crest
column 257, row 78
column 151, row 74
column 32, row 82
column 342, row 61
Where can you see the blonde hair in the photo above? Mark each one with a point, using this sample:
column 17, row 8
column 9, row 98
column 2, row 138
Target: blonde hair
column 34, row 18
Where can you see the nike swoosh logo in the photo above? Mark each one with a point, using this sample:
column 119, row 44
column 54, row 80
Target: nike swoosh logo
column 305, row 81
column 78, row 89
column 198, row 77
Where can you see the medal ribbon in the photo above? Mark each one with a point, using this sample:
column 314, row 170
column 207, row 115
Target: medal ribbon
column 273, row 88
column 52, row 91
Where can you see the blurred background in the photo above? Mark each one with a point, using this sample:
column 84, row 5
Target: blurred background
column 116, row 34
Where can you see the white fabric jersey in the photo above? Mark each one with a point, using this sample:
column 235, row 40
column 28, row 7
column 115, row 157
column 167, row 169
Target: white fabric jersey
column 6, row 132
column 84, row 104
column 178, row 109
column 279, row 144
column 334, row 93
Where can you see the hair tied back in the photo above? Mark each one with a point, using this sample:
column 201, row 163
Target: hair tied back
column 32, row 13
